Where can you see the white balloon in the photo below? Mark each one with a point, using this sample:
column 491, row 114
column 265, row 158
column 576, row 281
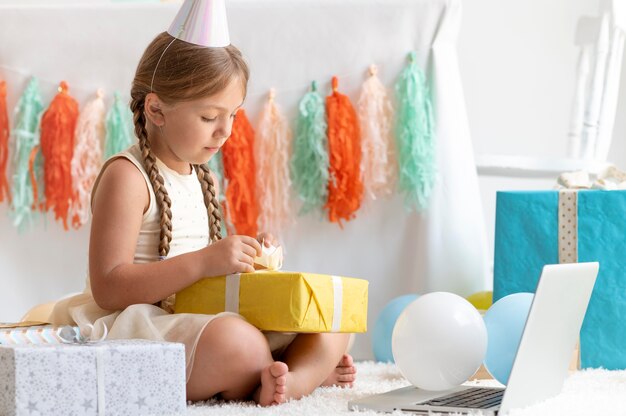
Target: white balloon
column 439, row 341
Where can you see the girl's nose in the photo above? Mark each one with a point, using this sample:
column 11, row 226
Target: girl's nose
column 223, row 131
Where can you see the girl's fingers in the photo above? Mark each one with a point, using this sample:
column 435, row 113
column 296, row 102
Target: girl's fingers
column 247, row 268
column 249, row 251
column 253, row 243
column 247, row 258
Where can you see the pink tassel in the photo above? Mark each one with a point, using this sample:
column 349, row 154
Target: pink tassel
column 272, row 156
column 378, row 164
column 87, row 160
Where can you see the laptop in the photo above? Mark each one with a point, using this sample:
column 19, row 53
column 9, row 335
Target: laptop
column 541, row 362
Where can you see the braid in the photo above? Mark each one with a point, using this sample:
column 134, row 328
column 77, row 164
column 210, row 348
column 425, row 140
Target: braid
column 149, row 161
column 210, row 200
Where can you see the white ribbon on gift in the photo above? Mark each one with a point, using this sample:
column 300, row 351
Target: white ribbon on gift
column 231, row 301
column 338, row 303
column 568, row 226
column 568, row 183
column 69, row 336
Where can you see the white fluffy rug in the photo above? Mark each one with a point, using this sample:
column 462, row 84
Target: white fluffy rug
column 591, row 392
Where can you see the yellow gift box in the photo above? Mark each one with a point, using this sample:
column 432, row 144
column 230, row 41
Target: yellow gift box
column 282, row 301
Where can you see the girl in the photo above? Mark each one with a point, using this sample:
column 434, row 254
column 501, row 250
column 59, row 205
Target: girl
column 156, row 230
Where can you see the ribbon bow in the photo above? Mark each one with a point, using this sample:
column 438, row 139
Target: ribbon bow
column 271, row 258
column 610, row 178
column 69, row 335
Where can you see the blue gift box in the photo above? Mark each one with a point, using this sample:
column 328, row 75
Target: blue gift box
column 527, row 238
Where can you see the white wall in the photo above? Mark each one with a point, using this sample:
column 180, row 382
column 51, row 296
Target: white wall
column 517, row 64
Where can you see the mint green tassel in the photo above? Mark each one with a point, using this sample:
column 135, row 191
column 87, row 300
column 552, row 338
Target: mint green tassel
column 309, row 163
column 216, row 165
column 25, row 138
column 118, row 128
column 415, row 137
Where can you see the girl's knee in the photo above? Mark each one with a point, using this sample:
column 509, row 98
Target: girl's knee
column 237, row 338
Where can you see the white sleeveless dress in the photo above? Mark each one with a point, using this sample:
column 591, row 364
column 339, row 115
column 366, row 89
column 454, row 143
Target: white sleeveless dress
column 190, row 232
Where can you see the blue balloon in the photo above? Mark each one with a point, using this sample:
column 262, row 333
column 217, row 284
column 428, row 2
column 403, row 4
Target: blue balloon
column 505, row 322
column 381, row 336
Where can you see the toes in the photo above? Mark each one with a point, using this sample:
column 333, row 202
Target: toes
column 278, row 368
column 347, row 359
column 281, row 381
column 345, row 370
column 281, row 389
column 279, row 398
column 346, row 378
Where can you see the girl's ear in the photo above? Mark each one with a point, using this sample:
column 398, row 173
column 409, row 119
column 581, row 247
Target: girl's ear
column 153, row 111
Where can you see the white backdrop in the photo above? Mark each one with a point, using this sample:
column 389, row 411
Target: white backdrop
column 287, row 44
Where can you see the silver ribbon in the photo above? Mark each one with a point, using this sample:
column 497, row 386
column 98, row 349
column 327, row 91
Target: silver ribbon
column 69, row 336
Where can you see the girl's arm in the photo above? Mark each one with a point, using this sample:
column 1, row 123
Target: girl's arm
column 119, row 204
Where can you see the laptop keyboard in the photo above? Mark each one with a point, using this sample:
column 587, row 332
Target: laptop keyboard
column 475, row 398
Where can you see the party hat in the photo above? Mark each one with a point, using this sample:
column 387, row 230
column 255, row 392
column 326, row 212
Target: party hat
column 202, row 22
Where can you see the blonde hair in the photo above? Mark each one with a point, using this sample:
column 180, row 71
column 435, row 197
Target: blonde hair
column 184, row 72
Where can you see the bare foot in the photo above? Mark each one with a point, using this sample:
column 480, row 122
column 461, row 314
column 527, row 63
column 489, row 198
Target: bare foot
column 273, row 386
column 343, row 375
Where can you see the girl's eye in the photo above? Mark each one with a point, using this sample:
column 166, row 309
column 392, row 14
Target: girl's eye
column 208, row 120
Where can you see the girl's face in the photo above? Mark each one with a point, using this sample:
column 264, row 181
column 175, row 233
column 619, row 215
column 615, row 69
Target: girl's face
column 193, row 131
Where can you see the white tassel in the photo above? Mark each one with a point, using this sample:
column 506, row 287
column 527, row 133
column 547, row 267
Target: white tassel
column 272, row 157
column 376, row 121
column 87, row 160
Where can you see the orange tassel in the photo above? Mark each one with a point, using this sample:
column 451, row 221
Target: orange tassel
column 239, row 169
column 4, row 143
column 57, row 146
column 345, row 187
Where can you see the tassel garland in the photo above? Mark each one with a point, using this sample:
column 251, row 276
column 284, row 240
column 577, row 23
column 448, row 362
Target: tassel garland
column 339, row 154
column 309, row 162
column 345, row 188
column 239, row 170
column 376, row 121
column 272, row 159
column 87, row 159
column 415, row 137
column 58, row 125
column 5, row 191
column 26, row 138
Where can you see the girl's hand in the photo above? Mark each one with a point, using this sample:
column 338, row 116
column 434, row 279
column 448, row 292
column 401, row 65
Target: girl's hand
column 267, row 239
column 233, row 254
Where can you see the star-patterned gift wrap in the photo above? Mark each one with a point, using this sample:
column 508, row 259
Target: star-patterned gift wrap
column 534, row 228
column 125, row 377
